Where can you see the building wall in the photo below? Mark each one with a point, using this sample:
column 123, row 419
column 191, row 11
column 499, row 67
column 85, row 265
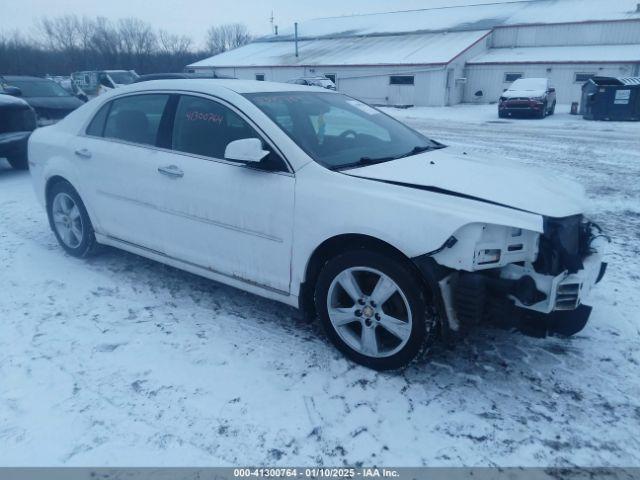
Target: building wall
column 490, row 78
column 591, row 33
column 369, row 84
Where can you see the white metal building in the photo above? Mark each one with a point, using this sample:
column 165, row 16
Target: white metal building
column 444, row 56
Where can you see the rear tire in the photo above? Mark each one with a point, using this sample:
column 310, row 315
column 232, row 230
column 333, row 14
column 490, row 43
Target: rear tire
column 70, row 221
column 374, row 310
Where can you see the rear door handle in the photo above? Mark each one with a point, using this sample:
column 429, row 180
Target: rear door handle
column 171, row 171
column 83, row 153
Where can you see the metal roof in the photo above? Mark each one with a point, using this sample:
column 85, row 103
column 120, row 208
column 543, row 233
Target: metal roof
column 563, row 54
column 413, row 49
column 467, row 17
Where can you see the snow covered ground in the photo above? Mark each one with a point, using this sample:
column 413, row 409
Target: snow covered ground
column 122, row 361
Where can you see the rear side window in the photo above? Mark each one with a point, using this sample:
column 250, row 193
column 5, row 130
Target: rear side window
column 136, row 118
column 96, row 127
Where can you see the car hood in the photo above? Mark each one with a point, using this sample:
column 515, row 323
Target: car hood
column 450, row 171
column 523, row 93
column 59, row 103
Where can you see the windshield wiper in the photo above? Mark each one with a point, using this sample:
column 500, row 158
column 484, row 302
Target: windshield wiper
column 417, row 150
column 373, row 160
column 363, row 161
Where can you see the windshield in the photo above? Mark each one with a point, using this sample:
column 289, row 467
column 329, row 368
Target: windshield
column 338, row 131
column 122, row 78
column 39, row 88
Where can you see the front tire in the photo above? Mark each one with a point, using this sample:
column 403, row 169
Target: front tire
column 374, row 310
column 543, row 111
column 70, row 221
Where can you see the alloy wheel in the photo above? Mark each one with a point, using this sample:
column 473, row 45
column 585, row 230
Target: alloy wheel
column 67, row 220
column 369, row 311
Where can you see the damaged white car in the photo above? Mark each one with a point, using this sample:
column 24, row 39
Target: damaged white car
column 317, row 200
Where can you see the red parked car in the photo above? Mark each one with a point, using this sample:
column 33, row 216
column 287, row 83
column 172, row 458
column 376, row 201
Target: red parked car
column 531, row 96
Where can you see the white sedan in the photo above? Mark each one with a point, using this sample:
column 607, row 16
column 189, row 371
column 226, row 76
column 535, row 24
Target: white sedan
column 317, row 200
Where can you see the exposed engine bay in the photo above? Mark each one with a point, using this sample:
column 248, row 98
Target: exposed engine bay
column 523, row 279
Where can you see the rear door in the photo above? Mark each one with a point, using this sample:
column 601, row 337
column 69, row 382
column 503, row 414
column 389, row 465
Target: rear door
column 119, row 161
column 232, row 219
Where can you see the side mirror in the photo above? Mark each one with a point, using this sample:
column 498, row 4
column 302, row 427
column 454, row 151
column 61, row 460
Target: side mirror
column 246, row 150
column 552, row 90
column 13, row 91
column 83, row 97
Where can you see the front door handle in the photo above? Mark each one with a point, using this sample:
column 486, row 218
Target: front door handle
column 83, row 153
column 171, row 171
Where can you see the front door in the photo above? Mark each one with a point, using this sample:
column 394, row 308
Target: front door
column 224, row 216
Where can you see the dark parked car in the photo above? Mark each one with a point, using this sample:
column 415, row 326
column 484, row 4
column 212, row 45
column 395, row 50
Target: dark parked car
column 17, row 121
column 532, row 96
column 50, row 101
column 323, row 82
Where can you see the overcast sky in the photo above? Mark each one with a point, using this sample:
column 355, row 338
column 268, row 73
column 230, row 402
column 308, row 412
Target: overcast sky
column 193, row 17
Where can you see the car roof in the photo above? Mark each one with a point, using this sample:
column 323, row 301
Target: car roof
column 212, row 85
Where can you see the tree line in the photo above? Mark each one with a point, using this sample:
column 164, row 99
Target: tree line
column 70, row 43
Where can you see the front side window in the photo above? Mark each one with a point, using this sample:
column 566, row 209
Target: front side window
column 204, row 127
column 338, row 131
column 136, row 118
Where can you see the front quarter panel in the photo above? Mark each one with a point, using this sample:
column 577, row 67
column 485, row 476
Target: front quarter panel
column 413, row 221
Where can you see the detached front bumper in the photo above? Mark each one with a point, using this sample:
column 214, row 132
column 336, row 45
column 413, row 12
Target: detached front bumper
column 552, row 302
column 566, row 291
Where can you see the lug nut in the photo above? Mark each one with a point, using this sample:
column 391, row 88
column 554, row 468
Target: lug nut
column 377, row 316
column 361, row 301
column 358, row 313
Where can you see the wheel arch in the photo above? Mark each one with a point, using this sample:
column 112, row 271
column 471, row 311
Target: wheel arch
column 338, row 244
column 56, row 179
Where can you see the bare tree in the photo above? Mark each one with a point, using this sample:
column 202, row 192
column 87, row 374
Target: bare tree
column 171, row 44
column 227, row 37
column 69, row 43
